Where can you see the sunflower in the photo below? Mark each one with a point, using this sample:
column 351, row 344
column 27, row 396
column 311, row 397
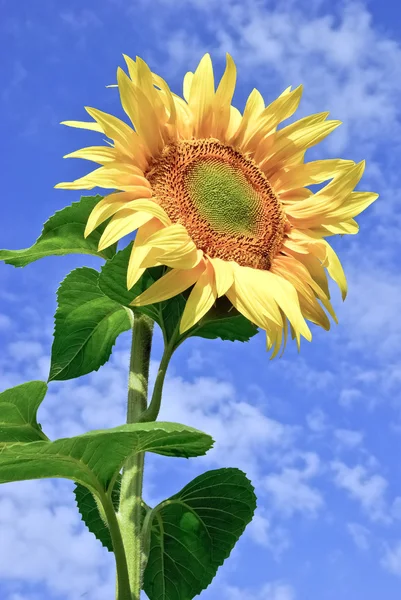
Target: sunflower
column 221, row 198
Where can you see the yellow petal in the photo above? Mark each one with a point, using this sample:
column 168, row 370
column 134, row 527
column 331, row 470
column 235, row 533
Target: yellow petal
column 114, row 128
column 174, row 248
column 295, row 195
column 308, row 174
column 171, row 246
column 171, row 284
column 90, row 125
column 272, row 140
column 111, row 176
column 188, row 77
column 274, row 338
column 186, row 257
column 280, row 109
column 234, row 123
column 82, row 183
column 350, row 227
column 149, row 206
column 223, row 98
column 289, row 265
column 200, row 300
column 294, row 272
column 355, row 203
column 256, row 290
column 201, row 97
column 98, row 154
column 170, row 238
column 140, row 251
column 286, row 297
column 315, row 268
column 141, row 112
column 224, row 274
column 290, row 244
column 107, row 207
column 335, row 269
column 123, row 223
column 253, row 108
column 161, row 83
column 325, row 253
column 300, row 139
column 247, row 299
column 328, row 201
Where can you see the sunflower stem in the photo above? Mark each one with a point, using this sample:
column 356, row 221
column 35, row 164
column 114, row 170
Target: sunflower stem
column 129, row 515
column 123, row 588
column 152, row 412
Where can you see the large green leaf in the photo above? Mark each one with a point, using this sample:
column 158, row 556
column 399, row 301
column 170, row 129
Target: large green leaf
column 194, row 532
column 18, row 409
column 91, row 512
column 95, row 458
column 87, row 324
column 62, row 234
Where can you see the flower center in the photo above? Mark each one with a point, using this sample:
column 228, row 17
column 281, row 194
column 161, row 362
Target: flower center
column 223, row 200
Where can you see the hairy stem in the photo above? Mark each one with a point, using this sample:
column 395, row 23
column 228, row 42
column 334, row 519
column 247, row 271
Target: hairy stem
column 152, row 412
column 129, row 514
column 123, row 584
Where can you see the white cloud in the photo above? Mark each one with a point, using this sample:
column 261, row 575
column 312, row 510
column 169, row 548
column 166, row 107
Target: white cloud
column 25, row 350
column 348, row 438
column 264, row 533
column 391, row 559
column 348, row 396
column 347, row 65
column 317, row 420
column 244, row 435
column 370, row 317
column 290, row 491
column 360, row 535
column 44, row 542
column 369, row 490
column 396, row 508
column 276, row 590
column 79, row 20
column 307, row 375
column 5, row 322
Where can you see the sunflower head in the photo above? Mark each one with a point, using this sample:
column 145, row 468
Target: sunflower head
column 222, row 198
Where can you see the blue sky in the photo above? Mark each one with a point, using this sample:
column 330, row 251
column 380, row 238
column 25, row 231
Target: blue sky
column 318, row 432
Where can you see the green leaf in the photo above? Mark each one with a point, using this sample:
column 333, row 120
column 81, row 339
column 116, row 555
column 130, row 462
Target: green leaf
column 18, row 409
column 194, row 532
column 95, row 458
column 87, row 324
column 225, row 322
column 63, row 234
column 171, row 311
column 91, row 512
column 113, row 282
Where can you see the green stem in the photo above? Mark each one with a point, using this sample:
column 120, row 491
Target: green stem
column 129, row 514
column 123, row 583
column 152, row 412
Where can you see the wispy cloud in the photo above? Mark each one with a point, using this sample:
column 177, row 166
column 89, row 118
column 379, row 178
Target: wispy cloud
column 366, row 488
column 290, row 491
column 360, row 535
column 391, row 559
column 276, row 590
